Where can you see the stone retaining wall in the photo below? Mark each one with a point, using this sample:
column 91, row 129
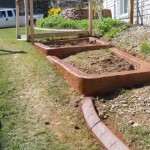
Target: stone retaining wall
column 75, row 14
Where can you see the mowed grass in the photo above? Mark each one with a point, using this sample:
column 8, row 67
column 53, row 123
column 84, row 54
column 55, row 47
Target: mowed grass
column 37, row 108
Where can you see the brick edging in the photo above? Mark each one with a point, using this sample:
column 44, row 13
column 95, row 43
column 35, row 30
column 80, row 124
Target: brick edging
column 102, row 133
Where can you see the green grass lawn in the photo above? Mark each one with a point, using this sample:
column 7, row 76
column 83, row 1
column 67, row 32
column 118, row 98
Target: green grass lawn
column 37, row 108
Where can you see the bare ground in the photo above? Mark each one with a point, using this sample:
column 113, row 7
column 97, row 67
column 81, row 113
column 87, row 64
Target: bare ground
column 131, row 39
column 98, row 62
column 74, row 43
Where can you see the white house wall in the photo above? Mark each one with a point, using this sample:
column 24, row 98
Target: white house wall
column 141, row 11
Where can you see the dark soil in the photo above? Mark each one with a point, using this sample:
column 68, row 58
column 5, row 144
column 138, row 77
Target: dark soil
column 73, row 43
column 98, row 62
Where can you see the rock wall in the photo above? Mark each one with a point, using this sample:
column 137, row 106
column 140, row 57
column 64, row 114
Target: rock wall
column 75, row 14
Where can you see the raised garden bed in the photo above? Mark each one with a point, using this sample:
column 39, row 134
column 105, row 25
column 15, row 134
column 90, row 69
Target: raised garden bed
column 99, row 61
column 96, row 84
column 79, row 64
column 84, row 42
column 63, row 48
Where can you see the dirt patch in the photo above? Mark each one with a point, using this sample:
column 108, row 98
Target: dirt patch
column 128, row 111
column 98, row 62
column 73, row 43
column 131, row 40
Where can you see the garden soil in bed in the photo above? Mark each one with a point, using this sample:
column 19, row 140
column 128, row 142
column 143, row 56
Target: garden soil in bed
column 73, row 43
column 98, row 62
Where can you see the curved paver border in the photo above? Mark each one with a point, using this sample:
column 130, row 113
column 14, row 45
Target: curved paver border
column 103, row 134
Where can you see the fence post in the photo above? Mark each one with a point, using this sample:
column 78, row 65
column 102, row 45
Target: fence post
column 90, row 16
column 137, row 5
column 31, row 21
column 17, row 19
column 131, row 11
column 27, row 19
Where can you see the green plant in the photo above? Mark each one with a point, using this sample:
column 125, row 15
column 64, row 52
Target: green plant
column 137, row 136
column 145, row 48
column 111, row 34
column 107, row 27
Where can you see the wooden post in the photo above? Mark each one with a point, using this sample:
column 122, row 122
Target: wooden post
column 31, row 21
column 137, row 10
column 90, row 16
column 131, row 11
column 26, row 19
column 17, row 19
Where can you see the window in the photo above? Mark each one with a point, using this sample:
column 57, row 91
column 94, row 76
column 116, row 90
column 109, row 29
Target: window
column 124, row 4
column 2, row 14
column 15, row 12
column 10, row 14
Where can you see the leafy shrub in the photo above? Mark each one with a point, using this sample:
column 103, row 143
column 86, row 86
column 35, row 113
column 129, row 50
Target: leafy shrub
column 49, row 22
column 54, row 11
column 106, row 27
column 68, row 24
column 112, row 33
column 145, row 48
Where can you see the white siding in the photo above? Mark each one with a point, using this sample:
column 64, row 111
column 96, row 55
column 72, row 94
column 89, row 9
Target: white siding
column 141, row 11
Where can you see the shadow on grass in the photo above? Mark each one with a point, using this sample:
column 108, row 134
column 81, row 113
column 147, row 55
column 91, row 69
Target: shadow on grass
column 1, row 146
column 6, row 52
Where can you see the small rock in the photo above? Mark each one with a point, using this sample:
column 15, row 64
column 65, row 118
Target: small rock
column 47, row 123
column 123, row 102
column 147, row 111
column 124, row 105
column 131, row 122
column 139, row 98
column 104, row 106
column 133, row 113
column 148, row 104
column 121, row 113
column 103, row 100
column 112, row 106
column 98, row 108
column 102, row 113
column 135, row 124
column 76, row 105
column 76, row 127
column 105, row 116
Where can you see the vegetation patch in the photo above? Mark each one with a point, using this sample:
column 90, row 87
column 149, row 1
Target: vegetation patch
column 107, row 26
column 37, row 108
column 145, row 48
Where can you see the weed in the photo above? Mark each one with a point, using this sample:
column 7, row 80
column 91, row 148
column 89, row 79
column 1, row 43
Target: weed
column 138, row 136
column 145, row 48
